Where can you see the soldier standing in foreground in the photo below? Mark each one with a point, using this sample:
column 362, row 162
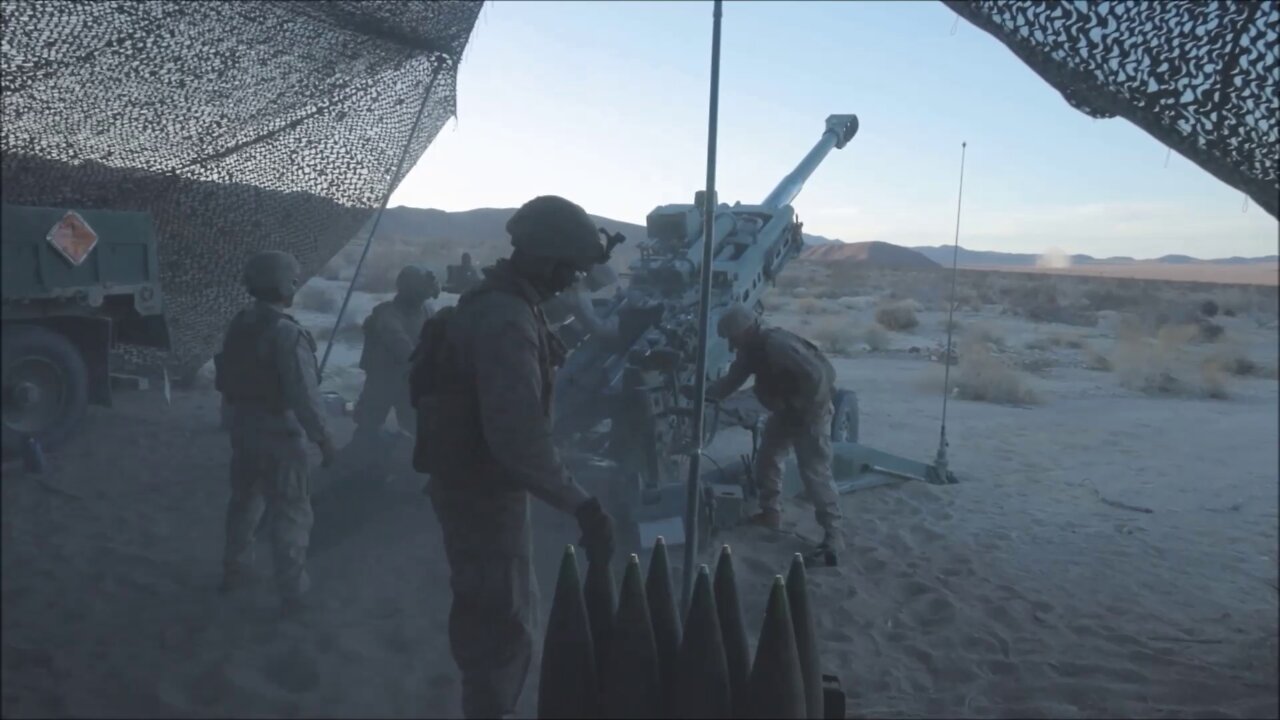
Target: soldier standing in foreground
column 268, row 376
column 485, row 438
column 389, row 336
column 794, row 381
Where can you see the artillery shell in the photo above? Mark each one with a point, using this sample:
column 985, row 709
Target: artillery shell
column 598, row 594
column 702, row 681
column 736, row 650
column 567, row 687
column 631, row 685
column 665, row 620
column 806, row 637
column 776, row 686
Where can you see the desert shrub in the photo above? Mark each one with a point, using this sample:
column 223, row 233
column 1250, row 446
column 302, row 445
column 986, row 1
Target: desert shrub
column 835, row 336
column 317, row 299
column 1073, row 342
column 1232, row 360
column 1094, row 360
column 1037, row 299
column 1036, row 364
column 856, row 303
column 1153, row 365
column 813, row 306
column 1213, row 379
column 1115, row 298
column 775, row 303
column 876, row 338
column 897, row 316
column 849, row 277
column 1208, row 330
column 1022, row 292
column 789, row 283
column 985, row 333
column 1056, row 340
column 983, row 377
column 1052, row 312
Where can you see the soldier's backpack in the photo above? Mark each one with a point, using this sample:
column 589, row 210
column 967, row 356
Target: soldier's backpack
column 427, row 365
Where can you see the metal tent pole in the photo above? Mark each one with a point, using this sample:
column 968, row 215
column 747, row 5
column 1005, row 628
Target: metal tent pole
column 704, row 319
column 386, row 198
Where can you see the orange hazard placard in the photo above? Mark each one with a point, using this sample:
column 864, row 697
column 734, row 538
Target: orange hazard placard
column 73, row 237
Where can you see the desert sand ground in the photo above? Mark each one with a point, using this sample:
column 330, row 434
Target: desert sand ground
column 1111, row 553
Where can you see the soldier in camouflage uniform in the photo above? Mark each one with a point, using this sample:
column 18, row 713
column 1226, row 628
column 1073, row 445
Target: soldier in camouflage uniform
column 795, row 383
column 389, row 336
column 488, row 423
column 268, row 376
column 461, row 278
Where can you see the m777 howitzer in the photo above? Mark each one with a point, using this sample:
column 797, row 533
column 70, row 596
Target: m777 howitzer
column 623, row 413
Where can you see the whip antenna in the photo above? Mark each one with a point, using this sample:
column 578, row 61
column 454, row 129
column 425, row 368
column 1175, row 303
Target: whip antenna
column 940, row 464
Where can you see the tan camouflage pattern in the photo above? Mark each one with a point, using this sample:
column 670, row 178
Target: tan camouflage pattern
column 795, row 382
column 390, row 334
column 269, row 467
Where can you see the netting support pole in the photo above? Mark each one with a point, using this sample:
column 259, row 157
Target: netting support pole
column 377, row 218
column 704, row 319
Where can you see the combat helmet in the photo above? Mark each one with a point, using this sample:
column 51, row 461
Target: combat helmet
column 550, row 226
column 735, row 320
column 417, row 282
column 272, row 275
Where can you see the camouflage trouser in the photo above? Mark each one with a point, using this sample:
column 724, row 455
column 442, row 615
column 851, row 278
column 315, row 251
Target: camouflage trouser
column 377, row 399
column 812, row 441
column 491, row 622
column 270, row 472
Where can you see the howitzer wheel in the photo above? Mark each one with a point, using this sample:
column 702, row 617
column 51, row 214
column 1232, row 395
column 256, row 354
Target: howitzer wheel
column 844, row 417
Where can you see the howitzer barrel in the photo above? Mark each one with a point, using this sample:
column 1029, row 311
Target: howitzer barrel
column 840, row 130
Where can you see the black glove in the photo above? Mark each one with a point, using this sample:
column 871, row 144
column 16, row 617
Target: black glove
column 597, row 531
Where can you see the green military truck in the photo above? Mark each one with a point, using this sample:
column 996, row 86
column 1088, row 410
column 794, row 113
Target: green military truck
column 75, row 283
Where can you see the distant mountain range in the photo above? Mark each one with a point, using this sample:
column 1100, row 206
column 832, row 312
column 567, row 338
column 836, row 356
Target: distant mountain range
column 877, row 254
column 485, row 230
column 942, row 255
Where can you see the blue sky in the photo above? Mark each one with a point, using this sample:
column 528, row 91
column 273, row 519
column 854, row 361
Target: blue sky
column 605, row 103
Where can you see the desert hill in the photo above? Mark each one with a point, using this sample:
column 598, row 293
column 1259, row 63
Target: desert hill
column 871, row 254
column 988, row 258
column 437, row 238
column 482, row 231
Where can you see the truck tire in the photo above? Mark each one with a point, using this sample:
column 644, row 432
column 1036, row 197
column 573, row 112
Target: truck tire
column 45, row 387
column 844, row 418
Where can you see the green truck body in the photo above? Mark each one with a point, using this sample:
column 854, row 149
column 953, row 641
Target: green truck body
column 75, row 283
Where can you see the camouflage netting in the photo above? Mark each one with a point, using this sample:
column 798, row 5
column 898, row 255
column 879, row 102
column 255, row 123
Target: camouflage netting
column 1200, row 77
column 239, row 126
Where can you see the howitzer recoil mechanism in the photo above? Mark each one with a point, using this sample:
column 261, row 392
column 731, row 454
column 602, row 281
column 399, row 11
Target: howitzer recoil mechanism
column 624, row 407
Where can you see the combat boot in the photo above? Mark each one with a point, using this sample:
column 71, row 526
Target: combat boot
column 770, row 519
column 827, row 554
column 821, row 556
